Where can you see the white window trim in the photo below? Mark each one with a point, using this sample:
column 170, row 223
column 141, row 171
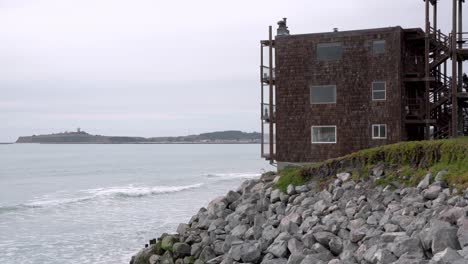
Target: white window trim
column 310, row 94
column 312, row 135
column 379, row 137
column 329, row 45
column 385, row 91
column 379, row 41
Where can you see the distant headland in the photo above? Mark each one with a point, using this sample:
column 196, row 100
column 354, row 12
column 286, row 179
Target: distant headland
column 82, row 137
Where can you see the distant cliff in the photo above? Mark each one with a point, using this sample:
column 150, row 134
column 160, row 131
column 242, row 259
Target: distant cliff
column 81, row 137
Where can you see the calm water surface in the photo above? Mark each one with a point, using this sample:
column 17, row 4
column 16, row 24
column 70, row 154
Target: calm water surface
column 101, row 203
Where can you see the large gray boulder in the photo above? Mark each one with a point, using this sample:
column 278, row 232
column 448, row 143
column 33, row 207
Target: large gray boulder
column 425, row 182
column 324, row 237
column 404, row 245
column 279, row 248
column 357, row 234
column 447, row 256
column 239, row 230
column 344, row 176
column 167, row 258
column 312, row 259
column 275, row 261
column 295, row 258
column 269, row 234
column 462, row 232
column 168, row 242
column 207, row 254
column 181, row 250
column 290, row 190
column 445, row 237
column 275, row 196
column 432, row 192
column 250, row 252
column 295, row 246
column 232, row 196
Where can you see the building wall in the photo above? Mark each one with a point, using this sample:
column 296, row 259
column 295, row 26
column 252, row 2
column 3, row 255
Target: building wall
column 354, row 112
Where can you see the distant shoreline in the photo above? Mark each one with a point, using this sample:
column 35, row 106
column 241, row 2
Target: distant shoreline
column 144, row 143
column 81, row 137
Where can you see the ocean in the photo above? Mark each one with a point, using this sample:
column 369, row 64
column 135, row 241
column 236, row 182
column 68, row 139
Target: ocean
column 102, row 203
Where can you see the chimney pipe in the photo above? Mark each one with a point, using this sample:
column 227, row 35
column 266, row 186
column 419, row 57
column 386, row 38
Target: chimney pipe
column 282, row 28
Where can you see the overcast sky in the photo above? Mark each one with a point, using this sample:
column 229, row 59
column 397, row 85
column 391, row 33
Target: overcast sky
column 156, row 68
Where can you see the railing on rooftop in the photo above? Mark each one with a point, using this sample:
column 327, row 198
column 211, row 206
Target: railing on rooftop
column 266, row 115
column 266, row 74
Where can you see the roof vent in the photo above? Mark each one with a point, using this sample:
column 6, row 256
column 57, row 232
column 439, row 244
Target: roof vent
column 282, row 28
column 335, row 29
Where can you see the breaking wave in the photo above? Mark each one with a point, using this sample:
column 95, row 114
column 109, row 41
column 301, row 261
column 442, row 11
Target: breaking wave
column 140, row 191
column 233, row 175
column 101, row 193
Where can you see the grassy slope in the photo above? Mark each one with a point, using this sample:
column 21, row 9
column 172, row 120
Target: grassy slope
column 406, row 163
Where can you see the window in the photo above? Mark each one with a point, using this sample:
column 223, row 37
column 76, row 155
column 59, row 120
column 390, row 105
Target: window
column 379, row 91
column 379, row 131
column 329, row 51
column 323, row 134
column 323, row 94
column 378, row 46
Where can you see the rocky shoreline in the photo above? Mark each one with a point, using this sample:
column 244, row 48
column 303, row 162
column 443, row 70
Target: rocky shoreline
column 345, row 221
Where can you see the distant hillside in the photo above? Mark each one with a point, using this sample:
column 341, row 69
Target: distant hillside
column 81, row 137
column 232, row 135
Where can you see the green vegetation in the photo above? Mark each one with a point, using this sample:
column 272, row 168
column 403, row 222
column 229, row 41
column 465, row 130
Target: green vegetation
column 290, row 176
column 405, row 163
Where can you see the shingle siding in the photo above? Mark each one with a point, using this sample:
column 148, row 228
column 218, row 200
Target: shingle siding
column 354, row 112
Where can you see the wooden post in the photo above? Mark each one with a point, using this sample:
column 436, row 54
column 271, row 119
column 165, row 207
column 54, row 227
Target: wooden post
column 262, row 150
column 427, row 73
column 272, row 117
column 460, row 64
column 454, row 130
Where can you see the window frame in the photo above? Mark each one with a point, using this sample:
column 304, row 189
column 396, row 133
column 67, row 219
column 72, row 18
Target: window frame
column 325, row 45
column 377, row 41
column 384, row 90
column 321, row 142
column 379, row 136
column 319, row 103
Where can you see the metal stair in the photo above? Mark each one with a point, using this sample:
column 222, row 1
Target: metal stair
column 440, row 92
column 440, row 48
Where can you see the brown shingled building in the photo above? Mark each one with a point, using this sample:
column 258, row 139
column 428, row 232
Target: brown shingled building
column 325, row 95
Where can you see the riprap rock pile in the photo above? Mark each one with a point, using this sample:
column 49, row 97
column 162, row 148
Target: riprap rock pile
column 347, row 222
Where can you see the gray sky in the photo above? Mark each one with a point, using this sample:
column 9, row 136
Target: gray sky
column 155, row 68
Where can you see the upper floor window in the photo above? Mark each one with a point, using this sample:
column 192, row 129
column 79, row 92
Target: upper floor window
column 323, row 134
column 379, row 131
column 323, row 94
column 378, row 46
column 329, row 51
column 379, row 92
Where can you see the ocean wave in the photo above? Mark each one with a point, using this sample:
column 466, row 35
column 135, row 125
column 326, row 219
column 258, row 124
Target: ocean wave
column 100, row 193
column 234, row 175
column 133, row 191
column 55, row 202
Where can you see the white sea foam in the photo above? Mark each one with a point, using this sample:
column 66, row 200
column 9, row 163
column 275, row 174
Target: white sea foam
column 234, row 175
column 100, row 193
column 55, row 202
column 134, row 191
